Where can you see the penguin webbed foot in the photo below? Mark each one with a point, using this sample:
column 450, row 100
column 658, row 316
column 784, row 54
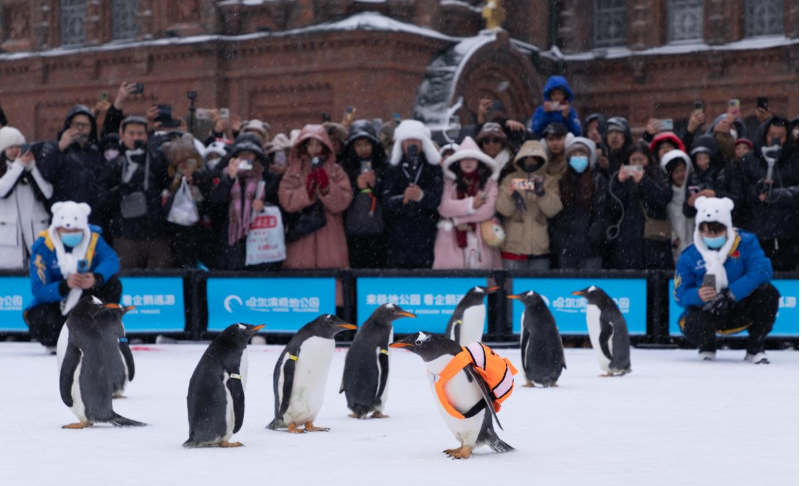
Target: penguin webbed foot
column 294, row 429
column 228, row 444
column 79, row 425
column 528, row 384
column 310, row 427
column 355, row 415
column 118, row 396
column 463, row 452
column 379, row 415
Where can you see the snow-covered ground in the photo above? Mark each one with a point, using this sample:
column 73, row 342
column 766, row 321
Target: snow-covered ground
column 673, row 421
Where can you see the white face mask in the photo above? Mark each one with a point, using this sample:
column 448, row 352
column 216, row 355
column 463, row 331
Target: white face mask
column 111, row 154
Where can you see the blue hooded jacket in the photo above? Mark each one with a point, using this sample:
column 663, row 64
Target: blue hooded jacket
column 542, row 118
column 46, row 276
column 747, row 268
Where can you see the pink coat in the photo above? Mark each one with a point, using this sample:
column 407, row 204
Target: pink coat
column 458, row 211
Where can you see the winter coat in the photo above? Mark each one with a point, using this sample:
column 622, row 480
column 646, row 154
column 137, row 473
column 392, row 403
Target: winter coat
column 631, row 250
column 681, row 225
column 47, row 282
column 721, row 177
column 777, row 217
column 617, row 158
column 23, row 212
column 75, row 173
column 326, row 247
column 747, row 268
column 542, row 118
column 527, row 231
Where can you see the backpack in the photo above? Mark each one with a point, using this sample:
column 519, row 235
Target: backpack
column 497, row 373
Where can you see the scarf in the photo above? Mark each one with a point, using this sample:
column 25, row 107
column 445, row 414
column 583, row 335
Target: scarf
column 239, row 210
column 68, row 264
column 472, row 181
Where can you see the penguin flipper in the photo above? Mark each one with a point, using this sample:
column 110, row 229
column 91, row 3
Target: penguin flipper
column 286, row 394
column 486, row 396
column 120, row 421
column 72, row 358
column 384, row 371
column 238, row 397
column 604, row 339
column 524, row 346
column 129, row 359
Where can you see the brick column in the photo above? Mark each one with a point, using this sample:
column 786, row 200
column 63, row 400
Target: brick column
column 575, row 25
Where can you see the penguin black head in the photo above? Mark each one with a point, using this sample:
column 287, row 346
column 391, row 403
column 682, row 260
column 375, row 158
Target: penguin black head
column 240, row 333
column 91, row 306
column 428, row 346
column 595, row 295
column 388, row 313
column 328, row 325
column 476, row 296
column 529, row 298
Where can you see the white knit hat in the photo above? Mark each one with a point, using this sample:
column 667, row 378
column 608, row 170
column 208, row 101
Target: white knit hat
column 10, row 136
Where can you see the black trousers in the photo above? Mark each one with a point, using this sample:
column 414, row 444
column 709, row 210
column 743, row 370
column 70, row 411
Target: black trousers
column 756, row 313
column 45, row 320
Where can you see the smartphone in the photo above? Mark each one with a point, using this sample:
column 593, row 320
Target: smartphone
column 83, row 266
column 496, row 105
column 397, row 116
column 280, row 158
column 104, row 96
column 165, row 113
column 734, row 107
column 24, row 148
column 349, row 112
column 523, row 184
column 763, row 102
column 698, row 105
column 139, row 88
column 203, row 114
column 666, row 125
column 632, row 169
column 225, row 113
column 412, row 152
column 709, row 280
column 365, row 166
column 325, row 117
column 245, row 165
column 694, row 189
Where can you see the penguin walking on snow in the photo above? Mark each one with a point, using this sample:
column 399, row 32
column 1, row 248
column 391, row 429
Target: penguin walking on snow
column 367, row 364
column 467, row 323
column 216, row 396
column 466, row 392
column 86, row 375
column 608, row 332
column 299, row 379
column 542, row 354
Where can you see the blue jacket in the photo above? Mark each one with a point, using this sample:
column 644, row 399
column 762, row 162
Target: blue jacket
column 542, row 118
column 46, row 276
column 747, row 268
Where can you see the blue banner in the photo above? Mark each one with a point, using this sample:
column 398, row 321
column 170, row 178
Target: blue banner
column 787, row 323
column 569, row 310
column 159, row 304
column 433, row 299
column 15, row 297
column 283, row 304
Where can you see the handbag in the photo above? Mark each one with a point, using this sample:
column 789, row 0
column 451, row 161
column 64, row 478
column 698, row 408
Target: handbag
column 655, row 229
column 265, row 243
column 305, row 222
column 365, row 216
column 184, row 211
column 135, row 204
column 493, row 233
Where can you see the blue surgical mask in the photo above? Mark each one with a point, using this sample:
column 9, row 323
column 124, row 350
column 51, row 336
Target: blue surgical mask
column 72, row 240
column 579, row 163
column 715, row 243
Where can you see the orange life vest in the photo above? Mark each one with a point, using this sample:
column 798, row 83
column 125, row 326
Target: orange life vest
column 496, row 371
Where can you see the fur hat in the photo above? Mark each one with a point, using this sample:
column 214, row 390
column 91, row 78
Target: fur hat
column 414, row 130
column 9, row 137
column 179, row 151
column 673, row 155
column 279, row 142
column 336, row 131
column 491, row 129
column 714, row 210
column 469, row 150
column 257, row 126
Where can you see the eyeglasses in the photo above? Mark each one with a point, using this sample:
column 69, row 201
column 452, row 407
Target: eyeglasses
column 78, row 125
column 491, row 140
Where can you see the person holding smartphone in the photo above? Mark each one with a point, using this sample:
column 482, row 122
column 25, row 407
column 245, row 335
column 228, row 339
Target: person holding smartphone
column 711, row 176
column 723, row 281
column 24, row 194
column 556, row 108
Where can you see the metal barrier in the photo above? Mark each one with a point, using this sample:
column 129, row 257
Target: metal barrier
column 203, row 317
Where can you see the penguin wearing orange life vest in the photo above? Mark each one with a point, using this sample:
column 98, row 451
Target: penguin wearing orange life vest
column 542, row 354
column 463, row 397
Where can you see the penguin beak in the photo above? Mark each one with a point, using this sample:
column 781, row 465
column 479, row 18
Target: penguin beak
column 347, row 326
column 491, row 289
column 400, row 345
column 258, row 328
column 407, row 314
column 514, row 297
column 130, row 308
column 579, row 292
column 112, row 306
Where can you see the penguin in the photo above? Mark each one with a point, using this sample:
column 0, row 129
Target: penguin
column 542, row 352
column 216, row 396
column 465, row 392
column 367, row 363
column 123, row 374
column 608, row 332
column 86, row 378
column 299, row 379
column 467, row 323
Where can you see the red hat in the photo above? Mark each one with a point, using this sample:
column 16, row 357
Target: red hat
column 746, row 141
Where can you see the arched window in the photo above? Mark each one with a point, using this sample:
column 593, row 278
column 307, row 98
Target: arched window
column 610, row 23
column 685, row 20
column 123, row 19
column 73, row 15
column 763, row 17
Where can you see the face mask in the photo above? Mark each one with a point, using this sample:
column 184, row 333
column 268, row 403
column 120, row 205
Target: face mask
column 715, row 243
column 111, row 154
column 579, row 163
column 72, row 240
column 139, row 144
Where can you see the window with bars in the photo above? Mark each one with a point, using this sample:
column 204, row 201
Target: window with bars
column 123, row 19
column 73, row 14
column 610, row 23
column 685, row 20
column 763, row 17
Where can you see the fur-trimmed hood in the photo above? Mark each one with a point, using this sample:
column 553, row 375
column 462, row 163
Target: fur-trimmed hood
column 468, row 149
column 414, row 130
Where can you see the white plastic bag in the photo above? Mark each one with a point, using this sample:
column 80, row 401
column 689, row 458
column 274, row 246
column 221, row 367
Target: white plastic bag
column 265, row 243
column 184, row 211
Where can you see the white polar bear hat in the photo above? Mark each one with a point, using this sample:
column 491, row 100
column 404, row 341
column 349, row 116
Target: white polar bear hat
column 714, row 210
column 70, row 215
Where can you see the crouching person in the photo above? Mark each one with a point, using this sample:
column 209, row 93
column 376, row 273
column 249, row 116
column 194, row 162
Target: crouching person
column 723, row 282
column 67, row 260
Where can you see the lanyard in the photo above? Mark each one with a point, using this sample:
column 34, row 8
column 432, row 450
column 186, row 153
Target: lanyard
column 417, row 176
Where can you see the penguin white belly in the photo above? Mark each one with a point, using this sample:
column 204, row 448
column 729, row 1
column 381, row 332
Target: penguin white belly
column 61, row 345
column 462, row 394
column 383, row 398
column 593, row 318
column 473, row 323
column 78, row 407
column 309, row 380
column 243, row 368
column 229, row 408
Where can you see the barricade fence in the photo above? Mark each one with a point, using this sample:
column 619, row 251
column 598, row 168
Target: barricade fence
column 194, row 304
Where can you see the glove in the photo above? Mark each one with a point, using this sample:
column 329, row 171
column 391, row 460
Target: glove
column 311, row 183
column 723, row 304
column 518, row 200
column 317, row 179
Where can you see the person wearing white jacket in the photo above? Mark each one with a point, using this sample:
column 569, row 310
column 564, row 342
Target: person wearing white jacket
column 23, row 196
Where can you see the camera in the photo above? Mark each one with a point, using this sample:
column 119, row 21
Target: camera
column 165, row 113
column 666, row 125
column 139, row 88
column 316, row 161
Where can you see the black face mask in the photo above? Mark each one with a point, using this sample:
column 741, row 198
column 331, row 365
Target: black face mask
column 139, row 144
column 529, row 168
